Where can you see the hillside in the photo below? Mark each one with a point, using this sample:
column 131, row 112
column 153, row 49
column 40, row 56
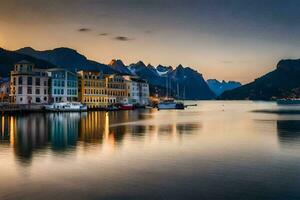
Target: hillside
column 283, row 82
column 67, row 58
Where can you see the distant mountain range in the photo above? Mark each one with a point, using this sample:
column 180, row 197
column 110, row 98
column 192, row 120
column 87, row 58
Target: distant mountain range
column 66, row 58
column 283, row 82
column 180, row 82
column 218, row 87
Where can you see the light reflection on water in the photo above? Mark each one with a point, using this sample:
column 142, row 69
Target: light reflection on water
column 218, row 150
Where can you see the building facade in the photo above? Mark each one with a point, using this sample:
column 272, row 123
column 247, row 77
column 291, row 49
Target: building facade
column 4, row 90
column 116, row 89
column 63, row 85
column 92, row 89
column 28, row 85
column 137, row 91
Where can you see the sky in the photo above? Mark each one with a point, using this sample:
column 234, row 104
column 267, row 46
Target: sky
column 223, row 39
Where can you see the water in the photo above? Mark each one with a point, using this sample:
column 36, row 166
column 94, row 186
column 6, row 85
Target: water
column 218, row 150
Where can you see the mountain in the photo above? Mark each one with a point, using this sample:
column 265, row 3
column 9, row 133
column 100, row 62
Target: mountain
column 146, row 72
column 189, row 84
column 9, row 58
column 162, row 70
column 219, row 87
column 67, row 58
column 119, row 66
column 282, row 82
column 181, row 82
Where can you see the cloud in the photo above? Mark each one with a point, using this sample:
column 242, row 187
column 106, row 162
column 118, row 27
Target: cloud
column 122, row 38
column 84, row 30
column 103, row 34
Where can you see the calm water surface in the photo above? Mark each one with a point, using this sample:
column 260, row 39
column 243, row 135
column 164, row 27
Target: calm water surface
column 218, row 150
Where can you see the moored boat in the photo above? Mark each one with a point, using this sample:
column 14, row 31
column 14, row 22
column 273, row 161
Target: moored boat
column 126, row 106
column 169, row 105
column 112, row 108
column 66, row 107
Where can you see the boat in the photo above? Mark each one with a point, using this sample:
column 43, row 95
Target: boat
column 288, row 101
column 126, row 106
column 169, row 105
column 66, row 107
column 112, row 108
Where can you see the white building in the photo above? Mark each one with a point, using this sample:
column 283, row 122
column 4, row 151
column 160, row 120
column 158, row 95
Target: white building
column 28, row 85
column 63, row 85
column 137, row 91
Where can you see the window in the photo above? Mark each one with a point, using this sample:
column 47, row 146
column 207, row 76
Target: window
column 62, row 91
column 37, row 91
column 20, row 80
column 37, row 81
column 45, row 83
column 29, row 90
column 29, row 80
column 45, row 91
column 37, row 99
column 20, row 90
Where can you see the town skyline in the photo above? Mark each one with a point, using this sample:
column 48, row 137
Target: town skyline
column 230, row 40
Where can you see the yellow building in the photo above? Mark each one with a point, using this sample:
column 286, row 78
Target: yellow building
column 91, row 89
column 116, row 89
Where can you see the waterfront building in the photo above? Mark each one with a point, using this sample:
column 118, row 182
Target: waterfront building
column 92, row 89
column 137, row 91
column 28, row 85
column 116, row 89
column 63, row 85
column 4, row 90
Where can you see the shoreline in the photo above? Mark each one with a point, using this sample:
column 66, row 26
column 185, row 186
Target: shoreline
column 18, row 109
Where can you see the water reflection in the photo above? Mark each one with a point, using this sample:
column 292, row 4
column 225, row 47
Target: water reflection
column 63, row 129
column 31, row 133
column 218, row 150
column 289, row 132
column 4, row 123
